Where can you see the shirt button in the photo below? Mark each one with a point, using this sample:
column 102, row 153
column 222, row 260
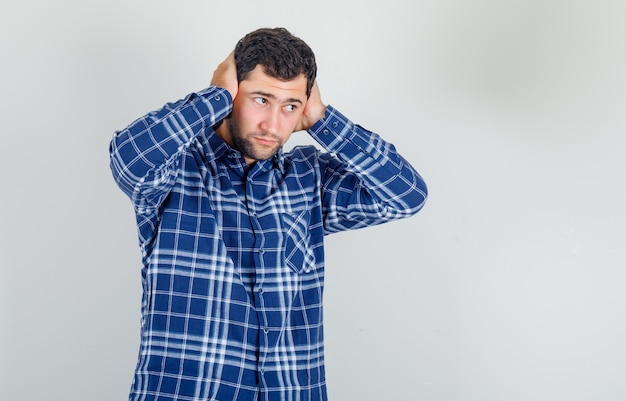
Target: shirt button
column 260, row 290
column 266, row 330
column 217, row 97
column 335, row 124
column 261, row 251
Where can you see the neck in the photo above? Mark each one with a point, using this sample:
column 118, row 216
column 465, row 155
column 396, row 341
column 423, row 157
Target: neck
column 223, row 131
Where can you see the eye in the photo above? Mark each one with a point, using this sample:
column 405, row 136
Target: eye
column 260, row 100
column 290, row 107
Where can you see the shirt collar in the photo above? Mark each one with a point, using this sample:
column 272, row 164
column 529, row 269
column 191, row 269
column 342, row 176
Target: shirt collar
column 219, row 148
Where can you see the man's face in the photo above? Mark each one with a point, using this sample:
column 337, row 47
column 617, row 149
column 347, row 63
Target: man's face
column 265, row 113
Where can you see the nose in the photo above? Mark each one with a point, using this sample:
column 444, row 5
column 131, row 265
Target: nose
column 270, row 123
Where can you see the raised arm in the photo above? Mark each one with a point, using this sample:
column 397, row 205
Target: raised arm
column 365, row 181
column 144, row 154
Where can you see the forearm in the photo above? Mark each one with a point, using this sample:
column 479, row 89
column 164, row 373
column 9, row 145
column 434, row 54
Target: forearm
column 368, row 182
column 152, row 142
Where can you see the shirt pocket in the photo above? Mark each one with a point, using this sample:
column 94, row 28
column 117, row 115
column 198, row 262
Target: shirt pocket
column 298, row 249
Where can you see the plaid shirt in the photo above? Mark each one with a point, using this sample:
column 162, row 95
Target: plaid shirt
column 233, row 261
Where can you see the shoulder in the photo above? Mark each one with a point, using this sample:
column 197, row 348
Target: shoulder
column 303, row 158
column 302, row 154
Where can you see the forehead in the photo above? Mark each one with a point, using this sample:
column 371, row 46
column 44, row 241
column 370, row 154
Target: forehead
column 258, row 81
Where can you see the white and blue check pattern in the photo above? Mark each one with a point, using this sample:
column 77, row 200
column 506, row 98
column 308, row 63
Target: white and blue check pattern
column 233, row 261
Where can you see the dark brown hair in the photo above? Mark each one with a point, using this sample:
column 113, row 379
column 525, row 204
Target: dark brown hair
column 282, row 55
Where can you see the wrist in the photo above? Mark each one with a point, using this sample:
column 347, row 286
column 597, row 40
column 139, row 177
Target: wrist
column 315, row 115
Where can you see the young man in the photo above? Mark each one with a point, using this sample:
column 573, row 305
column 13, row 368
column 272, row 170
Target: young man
column 231, row 227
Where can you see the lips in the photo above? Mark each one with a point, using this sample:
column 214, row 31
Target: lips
column 265, row 140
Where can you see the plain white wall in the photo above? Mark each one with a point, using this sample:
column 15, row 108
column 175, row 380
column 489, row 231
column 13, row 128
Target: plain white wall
column 509, row 285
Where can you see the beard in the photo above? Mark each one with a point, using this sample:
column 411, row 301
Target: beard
column 247, row 145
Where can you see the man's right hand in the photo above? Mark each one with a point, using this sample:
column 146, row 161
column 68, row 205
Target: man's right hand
column 225, row 75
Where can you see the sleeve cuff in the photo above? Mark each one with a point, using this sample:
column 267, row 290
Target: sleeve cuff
column 332, row 130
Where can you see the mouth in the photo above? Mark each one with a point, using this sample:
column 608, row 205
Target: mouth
column 265, row 140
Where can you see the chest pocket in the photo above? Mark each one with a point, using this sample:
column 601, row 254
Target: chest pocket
column 299, row 254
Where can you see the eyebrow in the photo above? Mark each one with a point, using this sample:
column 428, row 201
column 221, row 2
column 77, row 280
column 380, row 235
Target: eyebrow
column 273, row 97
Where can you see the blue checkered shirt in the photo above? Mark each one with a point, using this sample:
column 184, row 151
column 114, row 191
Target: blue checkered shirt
column 233, row 261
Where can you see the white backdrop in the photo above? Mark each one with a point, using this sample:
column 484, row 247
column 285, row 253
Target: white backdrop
column 509, row 285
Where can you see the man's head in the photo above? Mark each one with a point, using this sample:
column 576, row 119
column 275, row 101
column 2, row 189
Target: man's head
column 275, row 73
column 282, row 56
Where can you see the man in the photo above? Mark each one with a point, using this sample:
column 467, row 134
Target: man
column 231, row 227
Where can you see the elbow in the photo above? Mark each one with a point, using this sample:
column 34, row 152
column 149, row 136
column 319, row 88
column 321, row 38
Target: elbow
column 119, row 169
column 115, row 161
column 418, row 196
